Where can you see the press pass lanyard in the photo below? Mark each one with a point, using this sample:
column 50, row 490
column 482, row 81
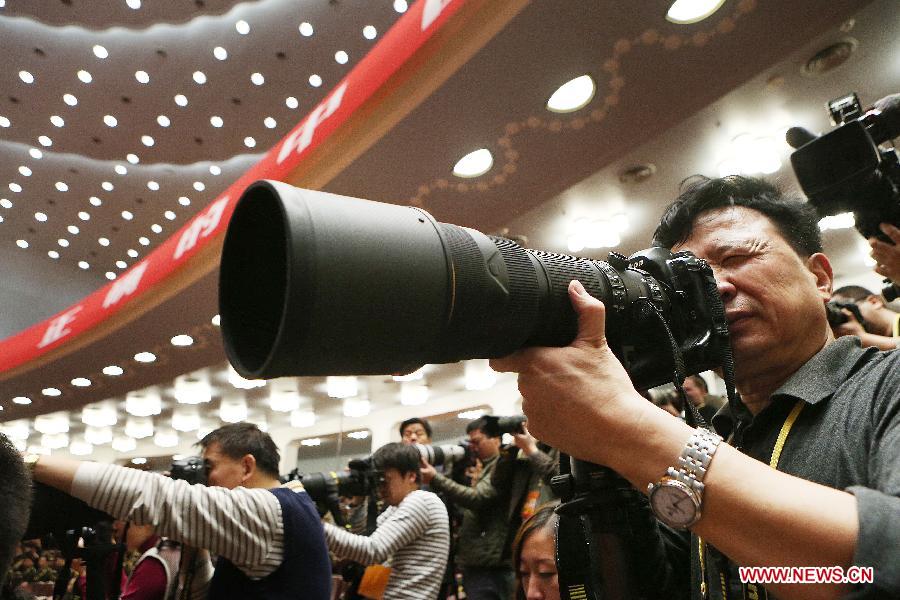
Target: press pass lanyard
column 751, row 591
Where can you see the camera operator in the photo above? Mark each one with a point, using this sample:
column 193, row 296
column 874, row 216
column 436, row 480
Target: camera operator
column 484, row 531
column 808, row 472
column 882, row 325
column 412, row 534
column 268, row 537
column 15, row 490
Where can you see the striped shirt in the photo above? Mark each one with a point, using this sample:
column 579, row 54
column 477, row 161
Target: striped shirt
column 243, row 525
column 413, row 538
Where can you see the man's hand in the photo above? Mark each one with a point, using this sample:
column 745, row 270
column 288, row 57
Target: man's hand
column 426, row 470
column 579, row 398
column 849, row 327
column 525, row 442
column 887, row 255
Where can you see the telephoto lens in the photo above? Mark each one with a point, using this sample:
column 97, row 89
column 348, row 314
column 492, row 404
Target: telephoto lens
column 439, row 455
column 316, row 284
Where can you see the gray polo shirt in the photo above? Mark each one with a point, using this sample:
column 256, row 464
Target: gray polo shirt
column 846, row 437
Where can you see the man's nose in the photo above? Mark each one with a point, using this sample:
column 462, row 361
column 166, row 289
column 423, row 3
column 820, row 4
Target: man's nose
column 727, row 290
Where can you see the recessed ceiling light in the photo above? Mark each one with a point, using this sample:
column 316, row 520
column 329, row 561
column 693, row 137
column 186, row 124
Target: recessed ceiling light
column 200, row 77
column 369, row 32
column 50, row 391
column 45, row 141
column 143, row 241
column 145, row 357
column 184, row 201
column 121, row 264
column 81, row 382
column 110, row 275
column 291, row 102
column 34, row 152
column 110, row 121
column 62, row 186
column 152, row 186
column 21, row 400
column 306, row 29
column 96, row 201
column 401, row 6
column 156, row 228
column 4, row 122
column 132, row 158
column 182, row 340
column 133, row 4
column 26, row 76
column 199, row 186
column 269, row 122
column 84, row 216
column 216, row 121
column 70, row 99
column 685, row 12
column 163, row 121
column 181, row 100
column 103, row 241
column 84, row 76
column 132, row 253
column 113, row 370
column 63, row 242
column 474, row 164
column 40, row 216
column 257, row 79
column 142, row 76
column 169, row 215
column 572, row 95
column 15, row 187
column 25, row 171
column 73, row 229
column 6, row 203
column 22, row 244
column 341, row 57
column 100, row 52
column 215, row 169
column 139, row 460
column 127, row 215
column 147, row 140
column 315, row 80
column 106, row 185
column 58, row 121
column 216, row 320
column 84, row 265
column 249, row 142
column 220, row 52
column 242, row 27
column 53, row 254
column 121, row 169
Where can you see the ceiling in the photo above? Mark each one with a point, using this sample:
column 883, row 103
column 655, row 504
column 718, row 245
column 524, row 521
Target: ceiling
column 669, row 97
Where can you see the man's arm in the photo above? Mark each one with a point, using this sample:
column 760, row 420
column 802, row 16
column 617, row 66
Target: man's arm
column 243, row 525
column 887, row 255
column 853, row 327
column 474, row 498
column 406, row 523
column 580, row 396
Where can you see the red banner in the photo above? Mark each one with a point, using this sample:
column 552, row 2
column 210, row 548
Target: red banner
column 397, row 46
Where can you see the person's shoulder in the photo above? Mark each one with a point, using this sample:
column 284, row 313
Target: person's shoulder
column 423, row 497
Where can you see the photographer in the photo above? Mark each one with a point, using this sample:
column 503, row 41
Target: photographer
column 882, row 325
column 412, row 534
column 809, row 473
column 267, row 536
column 483, row 534
column 15, row 488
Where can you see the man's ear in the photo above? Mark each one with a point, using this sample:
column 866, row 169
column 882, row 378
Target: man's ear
column 819, row 265
column 248, row 466
column 875, row 301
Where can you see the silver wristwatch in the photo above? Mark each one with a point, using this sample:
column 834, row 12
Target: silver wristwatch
column 677, row 498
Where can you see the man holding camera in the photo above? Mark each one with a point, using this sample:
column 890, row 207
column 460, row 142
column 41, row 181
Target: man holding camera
column 882, row 325
column 413, row 534
column 268, row 537
column 807, row 473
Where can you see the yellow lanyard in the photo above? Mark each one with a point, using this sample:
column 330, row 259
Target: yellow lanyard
column 773, row 462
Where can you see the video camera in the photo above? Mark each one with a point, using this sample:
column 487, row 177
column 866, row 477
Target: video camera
column 845, row 170
column 836, row 316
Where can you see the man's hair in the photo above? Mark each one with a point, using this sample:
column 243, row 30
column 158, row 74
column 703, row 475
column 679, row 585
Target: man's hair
column 700, row 382
column 416, row 420
column 796, row 220
column 481, row 424
column 239, row 439
column 403, row 457
column 856, row 293
column 15, row 489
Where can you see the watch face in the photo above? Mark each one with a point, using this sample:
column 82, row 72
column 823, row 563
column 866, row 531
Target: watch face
column 674, row 504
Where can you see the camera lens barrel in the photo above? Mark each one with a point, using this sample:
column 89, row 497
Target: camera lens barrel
column 313, row 283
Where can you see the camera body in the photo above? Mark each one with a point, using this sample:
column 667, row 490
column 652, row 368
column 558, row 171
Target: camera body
column 191, row 469
column 837, row 317
column 358, row 480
